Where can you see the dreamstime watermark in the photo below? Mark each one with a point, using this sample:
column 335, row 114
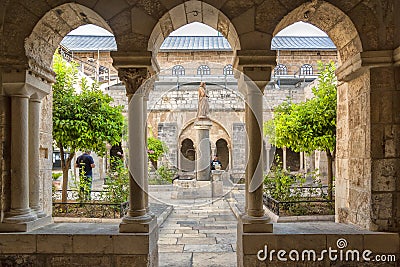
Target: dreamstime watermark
column 340, row 253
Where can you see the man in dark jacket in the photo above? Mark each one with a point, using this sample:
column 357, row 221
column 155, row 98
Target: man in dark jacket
column 85, row 164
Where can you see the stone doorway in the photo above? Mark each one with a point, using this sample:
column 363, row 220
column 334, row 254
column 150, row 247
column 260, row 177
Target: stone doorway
column 188, row 156
column 222, row 151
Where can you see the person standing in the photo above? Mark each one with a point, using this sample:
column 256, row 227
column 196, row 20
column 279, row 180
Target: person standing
column 85, row 164
column 216, row 164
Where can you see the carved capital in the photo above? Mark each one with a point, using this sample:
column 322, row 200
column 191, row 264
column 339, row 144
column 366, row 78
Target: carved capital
column 133, row 78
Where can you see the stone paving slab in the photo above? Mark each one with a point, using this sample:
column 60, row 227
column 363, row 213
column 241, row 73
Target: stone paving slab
column 176, row 249
column 197, row 240
column 174, row 259
column 227, row 259
column 208, row 248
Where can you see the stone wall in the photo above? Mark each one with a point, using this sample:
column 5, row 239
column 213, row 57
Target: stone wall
column 216, row 60
column 168, row 133
column 46, row 152
column 383, row 147
column 353, row 187
column 293, row 60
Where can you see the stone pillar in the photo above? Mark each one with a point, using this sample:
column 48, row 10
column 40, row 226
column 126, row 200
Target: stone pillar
column 284, row 165
column 20, row 211
column 301, row 161
column 367, row 156
column 203, row 151
column 34, row 171
column 254, row 173
column 138, row 219
column 19, row 85
column 253, row 224
column 146, row 158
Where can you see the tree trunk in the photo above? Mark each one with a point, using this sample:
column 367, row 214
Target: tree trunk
column 65, row 165
column 330, row 174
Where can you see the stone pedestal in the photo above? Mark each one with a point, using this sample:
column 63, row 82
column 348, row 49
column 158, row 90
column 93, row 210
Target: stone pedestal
column 7, row 227
column 248, row 232
column 203, row 149
column 192, row 189
column 217, row 184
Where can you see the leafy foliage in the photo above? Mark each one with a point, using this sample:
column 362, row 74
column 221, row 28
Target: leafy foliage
column 84, row 121
column 281, row 185
column 117, row 183
column 155, row 149
column 310, row 125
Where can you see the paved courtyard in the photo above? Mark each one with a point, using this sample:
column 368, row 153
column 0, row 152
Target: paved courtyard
column 198, row 232
column 199, row 236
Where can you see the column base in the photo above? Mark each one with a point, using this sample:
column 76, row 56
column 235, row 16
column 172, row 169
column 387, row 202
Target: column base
column 19, row 216
column 141, row 224
column 10, row 225
column 38, row 212
column 249, row 230
column 251, row 224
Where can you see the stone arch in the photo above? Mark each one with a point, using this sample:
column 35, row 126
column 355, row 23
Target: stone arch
column 48, row 32
column 329, row 18
column 188, row 12
column 187, row 128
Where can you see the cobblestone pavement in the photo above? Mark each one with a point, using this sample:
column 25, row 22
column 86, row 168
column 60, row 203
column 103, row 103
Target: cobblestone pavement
column 203, row 235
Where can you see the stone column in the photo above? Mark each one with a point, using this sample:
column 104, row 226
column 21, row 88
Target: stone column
column 138, row 219
column 254, row 174
column 20, row 211
column 253, row 83
column 21, row 85
column 203, row 151
column 146, row 158
column 301, row 161
column 34, row 171
column 284, row 165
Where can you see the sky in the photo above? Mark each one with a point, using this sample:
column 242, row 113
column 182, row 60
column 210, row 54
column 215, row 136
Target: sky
column 199, row 29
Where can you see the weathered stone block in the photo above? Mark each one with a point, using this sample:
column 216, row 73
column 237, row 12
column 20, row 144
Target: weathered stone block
column 54, row 244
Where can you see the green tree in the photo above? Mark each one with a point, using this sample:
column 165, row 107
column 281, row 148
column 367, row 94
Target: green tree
column 155, row 148
column 84, row 121
column 310, row 125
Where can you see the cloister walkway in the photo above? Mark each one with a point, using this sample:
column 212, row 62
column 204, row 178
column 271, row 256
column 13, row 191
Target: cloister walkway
column 199, row 232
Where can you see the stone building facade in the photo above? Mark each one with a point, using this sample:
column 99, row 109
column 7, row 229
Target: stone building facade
column 173, row 101
column 365, row 33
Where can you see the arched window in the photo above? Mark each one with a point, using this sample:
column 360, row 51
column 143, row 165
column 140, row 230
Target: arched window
column 280, row 69
column 203, row 70
column 228, row 70
column 178, row 70
column 306, row 69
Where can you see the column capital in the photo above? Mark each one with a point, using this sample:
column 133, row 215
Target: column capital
column 255, row 58
column 133, row 78
column 256, row 65
column 25, row 82
column 366, row 60
column 137, row 59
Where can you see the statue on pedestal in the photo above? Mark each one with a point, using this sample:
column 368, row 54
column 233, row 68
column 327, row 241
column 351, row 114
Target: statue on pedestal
column 203, row 108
